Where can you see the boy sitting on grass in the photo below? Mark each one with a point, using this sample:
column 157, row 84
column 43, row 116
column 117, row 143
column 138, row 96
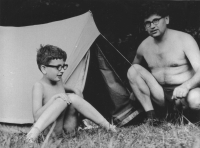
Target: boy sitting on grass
column 52, row 101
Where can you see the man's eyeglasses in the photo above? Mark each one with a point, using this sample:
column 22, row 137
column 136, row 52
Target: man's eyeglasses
column 58, row 67
column 155, row 22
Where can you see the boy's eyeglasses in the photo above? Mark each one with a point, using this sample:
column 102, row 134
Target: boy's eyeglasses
column 155, row 22
column 58, row 67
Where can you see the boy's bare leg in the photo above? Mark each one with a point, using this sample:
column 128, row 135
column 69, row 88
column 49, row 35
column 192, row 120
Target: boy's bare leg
column 70, row 119
column 48, row 116
column 89, row 111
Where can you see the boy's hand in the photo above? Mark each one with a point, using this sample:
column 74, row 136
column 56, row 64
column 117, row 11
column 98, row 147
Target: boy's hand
column 64, row 97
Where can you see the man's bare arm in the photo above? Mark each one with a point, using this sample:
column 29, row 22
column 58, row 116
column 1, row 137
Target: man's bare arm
column 193, row 54
column 138, row 57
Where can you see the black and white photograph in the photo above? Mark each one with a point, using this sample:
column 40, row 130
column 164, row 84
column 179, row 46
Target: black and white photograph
column 99, row 74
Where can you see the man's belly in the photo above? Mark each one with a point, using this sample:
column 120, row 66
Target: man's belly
column 172, row 75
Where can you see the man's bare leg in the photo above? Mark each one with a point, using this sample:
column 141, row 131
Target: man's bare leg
column 191, row 104
column 144, row 86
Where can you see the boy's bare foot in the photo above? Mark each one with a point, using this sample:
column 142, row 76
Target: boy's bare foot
column 112, row 128
column 109, row 126
column 33, row 134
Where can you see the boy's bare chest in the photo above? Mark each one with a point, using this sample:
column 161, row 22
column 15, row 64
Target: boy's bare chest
column 50, row 91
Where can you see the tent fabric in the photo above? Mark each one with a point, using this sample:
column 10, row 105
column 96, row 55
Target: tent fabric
column 124, row 110
column 19, row 69
column 81, row 71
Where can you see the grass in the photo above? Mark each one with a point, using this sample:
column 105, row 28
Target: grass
column 167, row 135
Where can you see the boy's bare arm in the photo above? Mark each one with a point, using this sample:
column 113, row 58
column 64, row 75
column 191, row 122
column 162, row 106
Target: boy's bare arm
column 37, row 97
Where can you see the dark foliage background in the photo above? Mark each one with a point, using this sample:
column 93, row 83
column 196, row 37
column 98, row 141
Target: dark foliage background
column 118, row 20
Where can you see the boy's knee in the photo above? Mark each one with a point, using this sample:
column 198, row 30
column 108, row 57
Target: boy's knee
column 193, row 100
column 74, row 98
column 72, row 95
column 59, row 100
column 78, row 92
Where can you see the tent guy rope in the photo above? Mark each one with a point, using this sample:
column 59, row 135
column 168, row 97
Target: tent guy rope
column 117, row 50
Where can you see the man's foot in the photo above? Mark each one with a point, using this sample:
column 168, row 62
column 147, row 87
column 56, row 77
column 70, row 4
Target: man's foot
column 151, row 118
column 153, row 122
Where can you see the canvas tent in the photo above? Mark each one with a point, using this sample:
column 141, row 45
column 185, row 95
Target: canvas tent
column 19, row 70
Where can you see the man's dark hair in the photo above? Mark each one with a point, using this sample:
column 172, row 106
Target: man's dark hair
column 49, row 52
column 155, row 7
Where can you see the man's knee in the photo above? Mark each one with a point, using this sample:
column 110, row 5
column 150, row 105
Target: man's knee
column 193, row 99
column 133, row 72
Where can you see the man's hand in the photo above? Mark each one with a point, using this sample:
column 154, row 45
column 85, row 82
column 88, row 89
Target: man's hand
column 64, row 97
column 180, row 92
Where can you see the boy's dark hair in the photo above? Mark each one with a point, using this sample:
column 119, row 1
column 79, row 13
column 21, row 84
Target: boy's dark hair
column 155, row 7
column 49, row 52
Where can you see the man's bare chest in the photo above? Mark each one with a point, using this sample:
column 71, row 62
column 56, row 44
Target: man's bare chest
column 168, row 57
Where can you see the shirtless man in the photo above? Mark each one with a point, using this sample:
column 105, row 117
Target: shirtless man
column 173, row 59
